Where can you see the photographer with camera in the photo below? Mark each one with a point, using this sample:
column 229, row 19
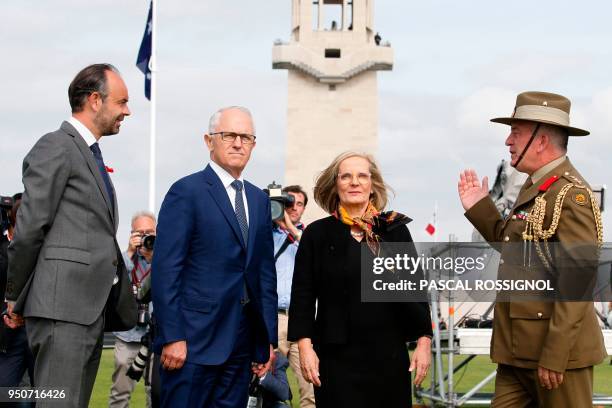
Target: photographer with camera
column 287, row 232
column 129, row 363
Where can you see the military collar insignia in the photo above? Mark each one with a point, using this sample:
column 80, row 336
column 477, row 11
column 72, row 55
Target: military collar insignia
column 549, row 182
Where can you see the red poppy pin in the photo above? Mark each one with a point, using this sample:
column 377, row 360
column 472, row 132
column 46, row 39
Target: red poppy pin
column 109, row 169
column 549, row 182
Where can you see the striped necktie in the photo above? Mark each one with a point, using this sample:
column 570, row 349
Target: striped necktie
column 240, row 211
column 244, row 228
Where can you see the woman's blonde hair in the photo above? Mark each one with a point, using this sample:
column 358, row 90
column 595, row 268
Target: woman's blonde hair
column 326, row 192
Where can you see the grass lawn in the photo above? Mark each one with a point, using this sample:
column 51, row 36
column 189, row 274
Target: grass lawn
column 465, row 379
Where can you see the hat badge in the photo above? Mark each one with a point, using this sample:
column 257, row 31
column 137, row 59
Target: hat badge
column 545, row 103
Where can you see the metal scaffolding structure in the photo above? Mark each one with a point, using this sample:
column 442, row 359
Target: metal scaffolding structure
column 449, row 341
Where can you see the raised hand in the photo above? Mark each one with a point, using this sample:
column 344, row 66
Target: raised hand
column 470, row 189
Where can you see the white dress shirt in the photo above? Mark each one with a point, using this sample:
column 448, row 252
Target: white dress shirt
column 226, row 180
column 83, row 131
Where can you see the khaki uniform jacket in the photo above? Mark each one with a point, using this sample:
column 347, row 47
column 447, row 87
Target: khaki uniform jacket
column 554, row 335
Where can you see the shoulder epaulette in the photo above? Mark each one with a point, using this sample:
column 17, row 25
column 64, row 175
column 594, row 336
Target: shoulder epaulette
column 577, row 181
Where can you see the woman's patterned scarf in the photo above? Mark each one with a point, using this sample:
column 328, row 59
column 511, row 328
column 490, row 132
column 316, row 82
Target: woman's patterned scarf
column 372, row 223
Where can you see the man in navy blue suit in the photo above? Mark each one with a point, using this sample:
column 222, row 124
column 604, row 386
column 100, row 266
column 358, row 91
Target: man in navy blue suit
column 214, row 286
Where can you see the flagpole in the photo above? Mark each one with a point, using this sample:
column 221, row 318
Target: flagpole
column 153, row 147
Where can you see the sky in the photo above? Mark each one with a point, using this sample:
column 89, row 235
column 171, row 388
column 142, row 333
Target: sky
column 457, row 64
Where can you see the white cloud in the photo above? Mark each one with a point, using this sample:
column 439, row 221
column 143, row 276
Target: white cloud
column 475, row 110
column 532, row 68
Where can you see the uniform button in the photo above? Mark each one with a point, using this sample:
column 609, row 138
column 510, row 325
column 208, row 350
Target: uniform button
column 506, row 238
column 115, row 262
column 501, row 261
column 539, row 315
column 514, row 217
column 567, row 173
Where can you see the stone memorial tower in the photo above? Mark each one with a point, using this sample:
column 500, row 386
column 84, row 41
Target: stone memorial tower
column 332, row 58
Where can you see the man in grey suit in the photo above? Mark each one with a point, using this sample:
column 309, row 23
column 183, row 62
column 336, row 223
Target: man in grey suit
column 64, row 258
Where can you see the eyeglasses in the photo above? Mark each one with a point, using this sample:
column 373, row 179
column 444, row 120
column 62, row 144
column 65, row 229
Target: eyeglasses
column 245, row 138
column 347, row 178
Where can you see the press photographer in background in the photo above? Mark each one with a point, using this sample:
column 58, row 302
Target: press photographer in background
column 15, row 356
column 287, row 206
column 271, row 389
column 129, row 365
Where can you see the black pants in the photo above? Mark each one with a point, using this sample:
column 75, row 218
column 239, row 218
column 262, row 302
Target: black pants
column 16, row 362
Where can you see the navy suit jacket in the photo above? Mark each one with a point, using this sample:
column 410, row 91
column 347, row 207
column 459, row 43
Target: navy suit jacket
column 200, row 263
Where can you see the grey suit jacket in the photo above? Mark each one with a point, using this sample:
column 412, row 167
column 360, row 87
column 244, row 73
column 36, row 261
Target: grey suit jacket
column 64, row 254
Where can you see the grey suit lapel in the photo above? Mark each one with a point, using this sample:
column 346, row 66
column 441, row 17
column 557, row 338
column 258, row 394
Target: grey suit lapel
column 93, row 166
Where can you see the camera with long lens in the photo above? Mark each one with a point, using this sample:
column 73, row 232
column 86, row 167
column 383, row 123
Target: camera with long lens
column 279, row 201
column 148, row 241
column 139, row 364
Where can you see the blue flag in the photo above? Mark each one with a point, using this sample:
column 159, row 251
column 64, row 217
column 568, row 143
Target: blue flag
column 144, row 53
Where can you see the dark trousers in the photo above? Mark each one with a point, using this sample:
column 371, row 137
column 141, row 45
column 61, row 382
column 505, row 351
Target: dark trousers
column 16, row 362
column 155, row 365
column 67, row 356
column 219, row 386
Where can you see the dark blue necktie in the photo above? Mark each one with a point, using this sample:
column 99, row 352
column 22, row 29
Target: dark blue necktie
column 95, row 149
column 240, row 211
column 244, row 227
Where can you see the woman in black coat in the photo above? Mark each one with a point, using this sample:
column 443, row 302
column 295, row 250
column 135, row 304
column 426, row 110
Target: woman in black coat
column 354, row 352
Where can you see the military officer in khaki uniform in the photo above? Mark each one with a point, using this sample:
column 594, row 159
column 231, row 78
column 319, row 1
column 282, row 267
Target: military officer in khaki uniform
column 545, row 351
